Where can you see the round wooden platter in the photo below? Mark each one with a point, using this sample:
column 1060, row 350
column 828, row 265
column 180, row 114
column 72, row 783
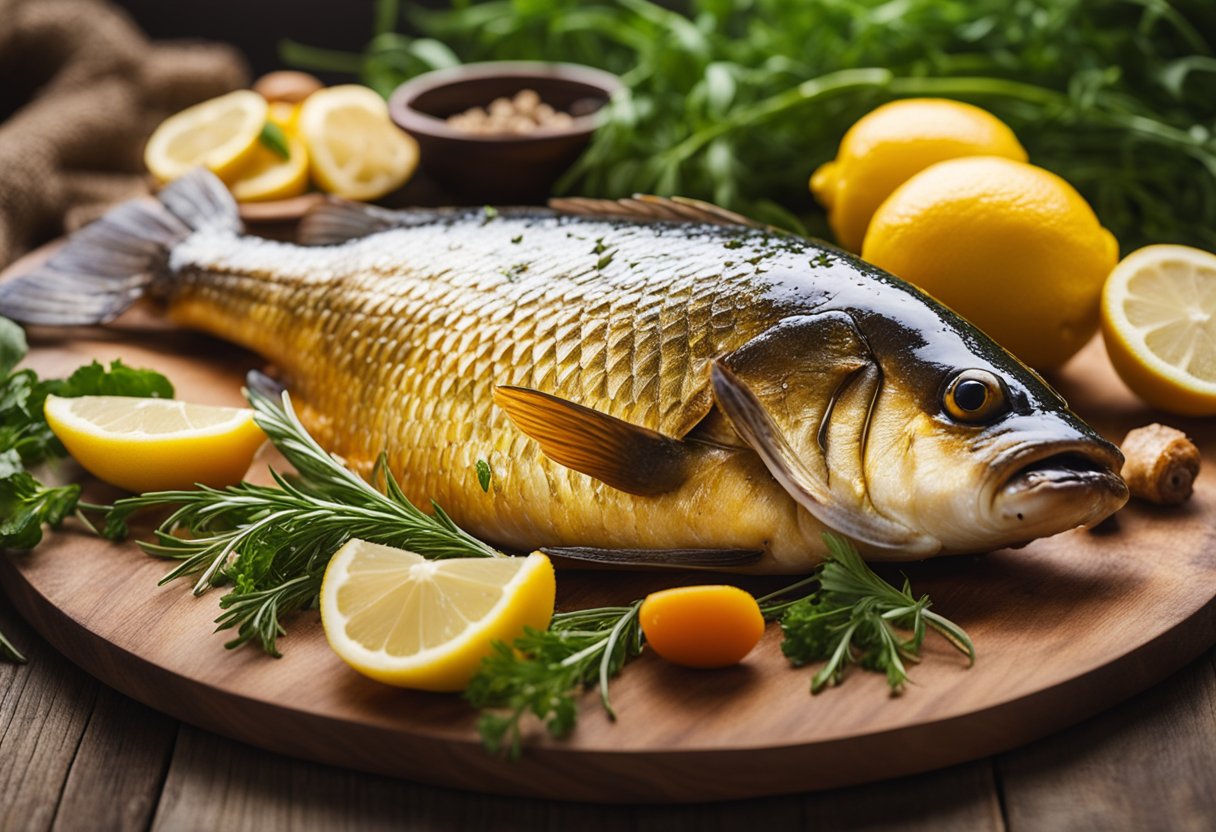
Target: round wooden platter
column 1064, row 628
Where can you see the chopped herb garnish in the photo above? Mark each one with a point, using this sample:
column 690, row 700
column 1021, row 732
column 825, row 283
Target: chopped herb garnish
column 483, row 474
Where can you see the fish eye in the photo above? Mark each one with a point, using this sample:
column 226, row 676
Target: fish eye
column 974, row 396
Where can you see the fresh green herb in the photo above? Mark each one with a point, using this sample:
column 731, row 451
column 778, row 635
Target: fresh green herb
column 737, row 101
column 274, row 139
column 272, row 543
column 855, row 618
column 604, row 260
column 543, row 672
column 517, row 239
column 483, row 475
column 12, row 346
column 843, row 613
column 488, row 214
column 26, row 505
column 26, row 440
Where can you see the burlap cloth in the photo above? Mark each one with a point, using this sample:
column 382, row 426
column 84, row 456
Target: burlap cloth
column 89, row 88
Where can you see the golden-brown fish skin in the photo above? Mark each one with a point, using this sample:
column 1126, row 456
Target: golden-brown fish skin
column 381, row 355
column 740, row 389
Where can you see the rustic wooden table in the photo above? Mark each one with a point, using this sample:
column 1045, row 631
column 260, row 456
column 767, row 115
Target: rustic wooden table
column 76, row 755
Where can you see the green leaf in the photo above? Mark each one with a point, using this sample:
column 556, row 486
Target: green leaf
column 483, row 474
column 274, row 139
column 26, row 505
column 13, row 346
column 118, row 380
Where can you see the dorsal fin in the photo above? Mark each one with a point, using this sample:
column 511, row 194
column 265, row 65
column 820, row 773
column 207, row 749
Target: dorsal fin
column 649, row 208
column 336, row 220
column 627, row 457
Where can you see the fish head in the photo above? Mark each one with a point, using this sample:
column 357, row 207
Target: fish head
column 981, row 456
column 915, row 438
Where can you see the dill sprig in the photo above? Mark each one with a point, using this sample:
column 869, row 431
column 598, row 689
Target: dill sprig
column 272, row 543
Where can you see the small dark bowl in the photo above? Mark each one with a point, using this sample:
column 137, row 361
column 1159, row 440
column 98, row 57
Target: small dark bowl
column 500, row 168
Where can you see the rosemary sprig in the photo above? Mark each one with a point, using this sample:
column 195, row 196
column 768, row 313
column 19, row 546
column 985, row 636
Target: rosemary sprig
column 272, row 543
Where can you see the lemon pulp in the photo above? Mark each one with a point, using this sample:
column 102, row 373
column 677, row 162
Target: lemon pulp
column 1159, row 325
column 221, row 134
column 355, row 150
column 396, row 617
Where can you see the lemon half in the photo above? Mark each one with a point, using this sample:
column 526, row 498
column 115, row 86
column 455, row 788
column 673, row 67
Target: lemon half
column 398, row 618
column 269, row 176
column 355, row 149
column 155, row 444
column 220, row 134
column 1159, row 324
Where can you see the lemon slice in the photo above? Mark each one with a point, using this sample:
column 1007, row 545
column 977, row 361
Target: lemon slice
column 269, row 176
column 221, row 134
column 1159, row 324
column 407, row 621
column 355, row 149
column 155, row 444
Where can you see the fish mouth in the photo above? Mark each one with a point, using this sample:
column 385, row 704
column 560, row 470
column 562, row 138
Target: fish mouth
column 1064, row 464
column 1065, row 484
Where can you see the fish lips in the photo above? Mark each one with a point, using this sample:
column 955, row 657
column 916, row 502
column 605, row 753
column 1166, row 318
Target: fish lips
column 1067, row 483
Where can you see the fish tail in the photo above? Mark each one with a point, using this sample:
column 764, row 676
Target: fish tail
column 108, row 265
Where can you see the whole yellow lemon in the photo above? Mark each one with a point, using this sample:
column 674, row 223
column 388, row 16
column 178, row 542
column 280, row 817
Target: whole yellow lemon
column 892, row 144
column 1009, row 246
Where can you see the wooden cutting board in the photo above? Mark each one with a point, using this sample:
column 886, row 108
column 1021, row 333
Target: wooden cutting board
column 1064, row 628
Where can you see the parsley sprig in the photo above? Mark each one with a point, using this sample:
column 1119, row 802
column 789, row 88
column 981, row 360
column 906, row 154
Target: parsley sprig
column 856, row 618
column 26, row 441
column 271, row 543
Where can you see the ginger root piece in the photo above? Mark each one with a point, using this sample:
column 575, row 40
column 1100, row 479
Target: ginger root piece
column 1160, row 465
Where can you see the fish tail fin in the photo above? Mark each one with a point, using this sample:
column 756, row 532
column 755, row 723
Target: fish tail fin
column 109, row 264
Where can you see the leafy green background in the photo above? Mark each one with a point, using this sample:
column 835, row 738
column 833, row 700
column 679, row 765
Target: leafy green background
column 737, row 101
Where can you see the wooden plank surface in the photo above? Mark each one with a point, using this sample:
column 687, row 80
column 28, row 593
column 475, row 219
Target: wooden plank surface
column 1148, row 764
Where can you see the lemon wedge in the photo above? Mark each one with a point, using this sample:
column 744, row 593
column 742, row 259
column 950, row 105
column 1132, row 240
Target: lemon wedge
column 269, row 176
column 355, row 149
column 221, row 134
column 155, row 444
column 1159, row 324
column 398, row 618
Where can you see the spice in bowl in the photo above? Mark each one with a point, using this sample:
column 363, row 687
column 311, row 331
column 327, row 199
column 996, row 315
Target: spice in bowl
column 522, row 113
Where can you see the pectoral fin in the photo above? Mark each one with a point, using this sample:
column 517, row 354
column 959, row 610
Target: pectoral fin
column 627, row 457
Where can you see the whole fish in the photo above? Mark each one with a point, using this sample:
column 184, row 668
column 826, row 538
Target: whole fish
column 651, row 381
